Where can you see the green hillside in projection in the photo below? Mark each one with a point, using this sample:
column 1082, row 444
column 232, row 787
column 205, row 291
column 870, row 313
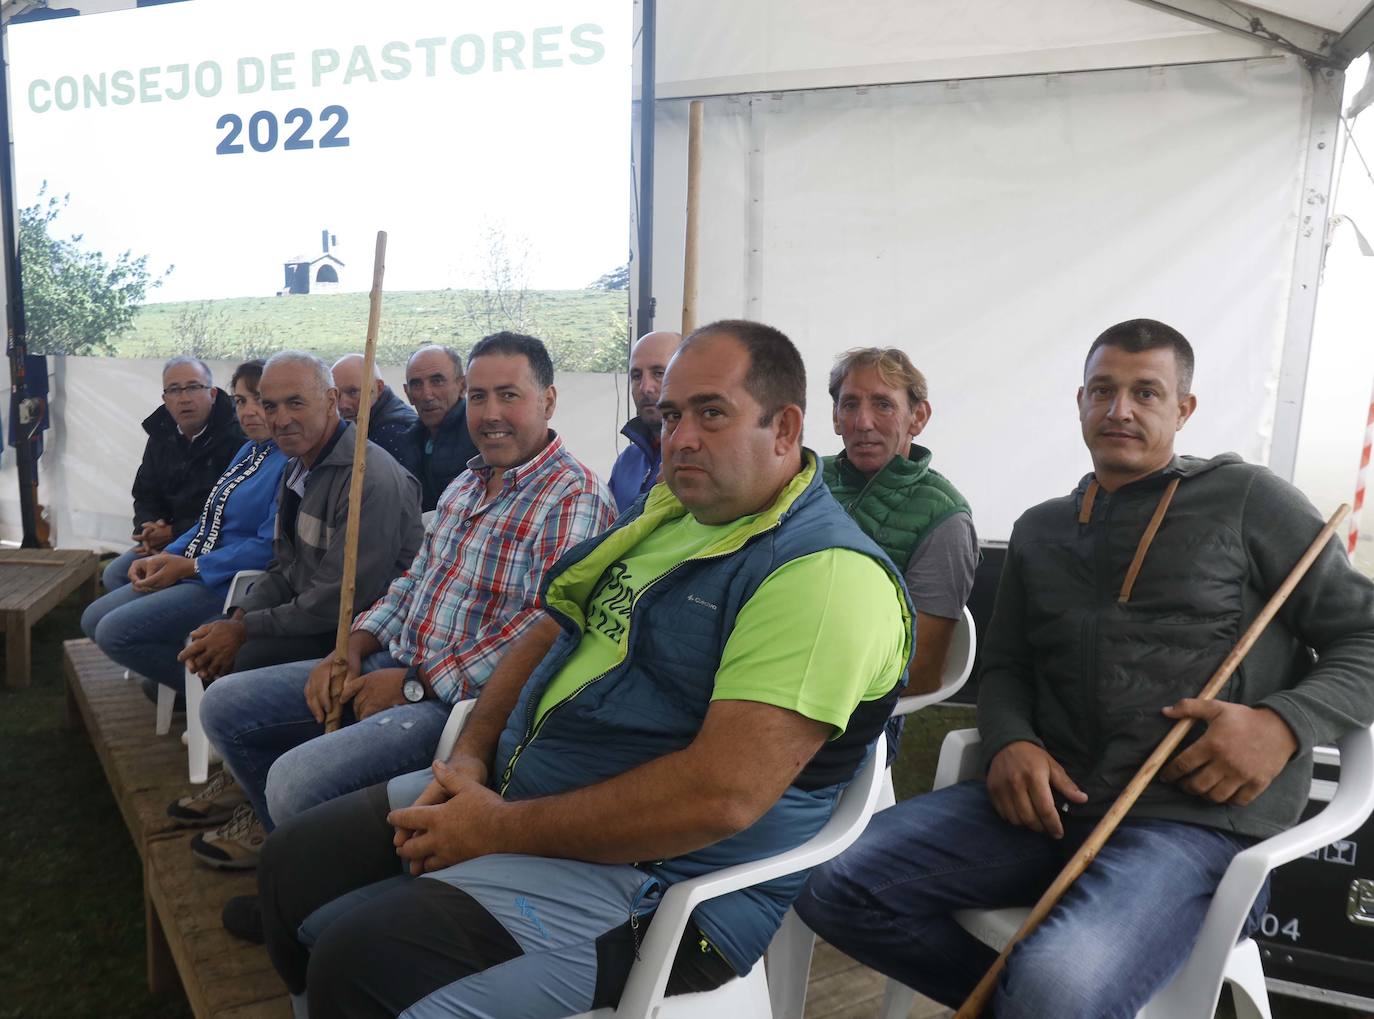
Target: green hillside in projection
column 585, row 330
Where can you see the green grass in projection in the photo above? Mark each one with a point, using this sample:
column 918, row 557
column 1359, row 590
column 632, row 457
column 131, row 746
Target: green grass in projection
column 585, row 330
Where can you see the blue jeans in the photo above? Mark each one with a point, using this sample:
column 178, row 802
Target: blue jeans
column 282, row 757
column 144, row 632
column 116, row 575
column 1118, row 935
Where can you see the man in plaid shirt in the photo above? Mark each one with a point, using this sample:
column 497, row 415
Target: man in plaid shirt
column 435, row 636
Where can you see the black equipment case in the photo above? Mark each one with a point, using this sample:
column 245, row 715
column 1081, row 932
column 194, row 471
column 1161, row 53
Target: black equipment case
column 1317, row 937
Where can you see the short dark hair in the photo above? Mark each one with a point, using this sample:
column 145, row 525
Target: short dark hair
column 776, row 377
column 1140, row 334
column 250, row 372
column 531, row 349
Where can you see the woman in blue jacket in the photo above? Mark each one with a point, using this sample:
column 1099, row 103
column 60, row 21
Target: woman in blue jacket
column 144, row 624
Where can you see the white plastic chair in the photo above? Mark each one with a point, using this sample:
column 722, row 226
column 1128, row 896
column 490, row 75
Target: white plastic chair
column 645, row 990
column 789, row 954
column 199, row 753
column 1216, row 956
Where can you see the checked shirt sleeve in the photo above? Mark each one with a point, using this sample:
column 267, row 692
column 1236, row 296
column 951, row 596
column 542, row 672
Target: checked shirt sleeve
column 385, row 618
column 462, row 670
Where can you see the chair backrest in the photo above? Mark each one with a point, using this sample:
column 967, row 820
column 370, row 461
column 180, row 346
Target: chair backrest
column 240, row 585
column 648, row 980
column 1197, row 986
column 1199, row 982
column 963, row 647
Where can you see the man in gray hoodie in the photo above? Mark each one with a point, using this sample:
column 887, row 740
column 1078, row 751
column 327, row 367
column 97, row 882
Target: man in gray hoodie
column 1099, row 642
column 292, row 611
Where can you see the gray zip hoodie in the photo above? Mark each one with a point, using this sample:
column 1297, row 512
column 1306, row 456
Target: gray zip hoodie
column 299, row 594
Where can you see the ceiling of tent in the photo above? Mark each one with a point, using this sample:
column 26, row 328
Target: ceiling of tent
column 1333, row 15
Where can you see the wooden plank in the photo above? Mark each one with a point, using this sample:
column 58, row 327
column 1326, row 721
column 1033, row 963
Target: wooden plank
column 221, row 975
column 24, row 584
column 144, row 770
column 18, row 651
column 220, row 972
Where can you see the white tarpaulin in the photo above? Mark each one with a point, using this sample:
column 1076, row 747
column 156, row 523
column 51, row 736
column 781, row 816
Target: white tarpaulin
column 992, row 228
column 96, row 440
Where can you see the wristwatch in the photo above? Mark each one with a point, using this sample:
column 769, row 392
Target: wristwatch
column 411, row 688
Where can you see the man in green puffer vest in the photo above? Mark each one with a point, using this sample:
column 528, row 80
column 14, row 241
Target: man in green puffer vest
column 886, row 484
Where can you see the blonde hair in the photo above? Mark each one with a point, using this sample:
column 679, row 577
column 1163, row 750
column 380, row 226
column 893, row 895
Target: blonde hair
column 894, row 368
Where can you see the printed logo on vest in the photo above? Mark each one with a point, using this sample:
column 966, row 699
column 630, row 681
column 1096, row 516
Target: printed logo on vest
column 702, row 601
column 527, row 911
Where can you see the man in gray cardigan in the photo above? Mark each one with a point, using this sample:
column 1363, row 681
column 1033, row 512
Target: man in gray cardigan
column 1099, row 642
column 292, row 611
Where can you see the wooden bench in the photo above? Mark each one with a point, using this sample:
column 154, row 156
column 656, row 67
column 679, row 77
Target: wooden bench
column 32, row 582
column 223, row 977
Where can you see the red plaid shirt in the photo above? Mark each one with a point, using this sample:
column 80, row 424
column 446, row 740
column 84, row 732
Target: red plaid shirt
column 474, row 586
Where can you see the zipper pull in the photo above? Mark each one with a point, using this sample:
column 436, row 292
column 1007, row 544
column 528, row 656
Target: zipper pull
column 634, row 931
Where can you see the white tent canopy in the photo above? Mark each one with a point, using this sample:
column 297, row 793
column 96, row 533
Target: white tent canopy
column 988, row 184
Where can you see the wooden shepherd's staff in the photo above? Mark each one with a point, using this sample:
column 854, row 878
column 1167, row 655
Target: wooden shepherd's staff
column 973, row 1006
column 339, row 672
column 690, row 245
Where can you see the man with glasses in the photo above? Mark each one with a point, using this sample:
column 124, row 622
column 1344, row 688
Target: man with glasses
column 191, row 439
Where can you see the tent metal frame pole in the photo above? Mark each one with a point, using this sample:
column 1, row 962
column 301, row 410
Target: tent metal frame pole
column 16, row 347
column 1357, row 39
column 1308, row 41
column 1309, row 253
column 644, row 313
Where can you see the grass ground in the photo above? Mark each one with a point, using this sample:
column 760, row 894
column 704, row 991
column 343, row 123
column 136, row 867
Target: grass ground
column 71, row 916
column 71, row 903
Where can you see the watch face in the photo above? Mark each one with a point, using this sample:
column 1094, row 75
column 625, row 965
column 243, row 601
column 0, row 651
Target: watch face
column 413, row 691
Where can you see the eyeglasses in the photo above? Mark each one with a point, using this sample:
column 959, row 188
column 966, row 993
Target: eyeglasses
column 193, row 389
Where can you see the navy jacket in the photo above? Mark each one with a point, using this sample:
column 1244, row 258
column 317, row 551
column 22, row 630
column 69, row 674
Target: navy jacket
column 389, row 425
column 176, row 474
column 453, row 448
column 636, row 468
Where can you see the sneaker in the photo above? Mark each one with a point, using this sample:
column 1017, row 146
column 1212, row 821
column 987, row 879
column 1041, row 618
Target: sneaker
column 234, row 845
column 242, row 917
column 210, row 805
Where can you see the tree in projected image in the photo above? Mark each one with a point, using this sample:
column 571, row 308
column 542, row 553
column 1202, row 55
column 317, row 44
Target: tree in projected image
column 76, row 301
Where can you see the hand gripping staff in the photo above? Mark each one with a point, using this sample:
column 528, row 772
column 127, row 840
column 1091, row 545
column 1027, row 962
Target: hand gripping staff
column 339, row 671
column 975, row 1002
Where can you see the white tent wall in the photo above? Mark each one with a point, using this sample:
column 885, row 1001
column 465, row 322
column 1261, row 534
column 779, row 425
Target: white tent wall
column 96, row 440
column 722, row 47
column 993, row 227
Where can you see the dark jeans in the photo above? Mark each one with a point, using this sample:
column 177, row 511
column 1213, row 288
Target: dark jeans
column 1118, row 935
column 382, row 942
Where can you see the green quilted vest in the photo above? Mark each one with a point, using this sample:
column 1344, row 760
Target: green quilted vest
column 899, row 505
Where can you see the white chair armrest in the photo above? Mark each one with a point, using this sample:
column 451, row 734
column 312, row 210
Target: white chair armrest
column 243, row 580
column 963, row 647
column 453, row 727
column 959, row 758
column 649, row 976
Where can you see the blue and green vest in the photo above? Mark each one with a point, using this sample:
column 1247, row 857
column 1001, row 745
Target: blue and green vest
column 653, row 702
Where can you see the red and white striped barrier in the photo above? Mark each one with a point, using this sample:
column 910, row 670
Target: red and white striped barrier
column 1361, row 480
